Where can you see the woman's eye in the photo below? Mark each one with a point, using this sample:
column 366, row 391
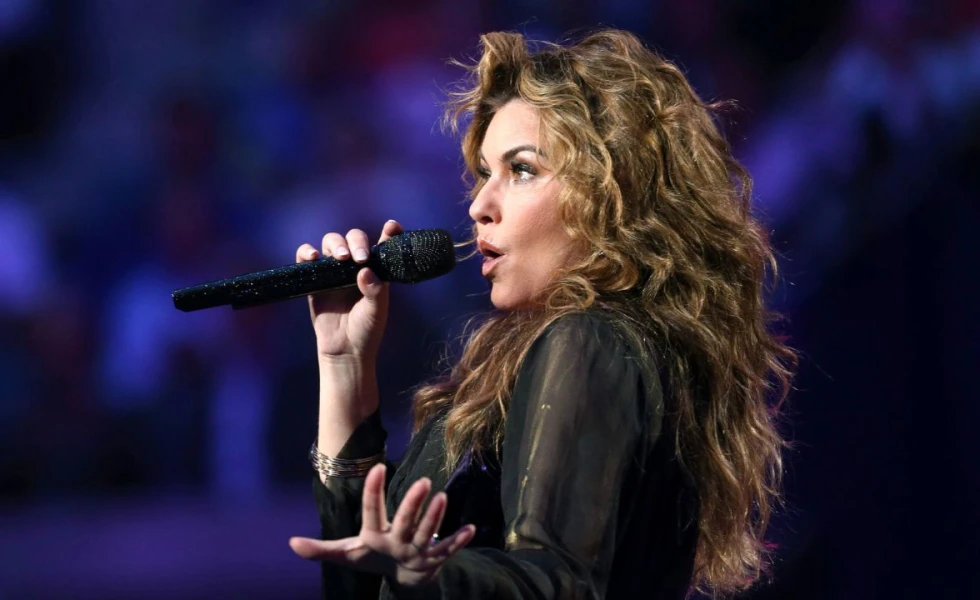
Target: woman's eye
column 522, row 171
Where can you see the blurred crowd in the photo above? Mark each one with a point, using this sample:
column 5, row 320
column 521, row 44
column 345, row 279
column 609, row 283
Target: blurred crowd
column 145, row 146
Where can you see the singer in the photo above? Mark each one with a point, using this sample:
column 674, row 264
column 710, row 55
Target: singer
column 609, row 430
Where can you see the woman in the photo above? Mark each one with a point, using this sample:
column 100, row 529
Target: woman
column 606, row 432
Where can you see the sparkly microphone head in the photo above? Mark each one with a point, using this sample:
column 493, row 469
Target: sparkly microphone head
column 414, row 256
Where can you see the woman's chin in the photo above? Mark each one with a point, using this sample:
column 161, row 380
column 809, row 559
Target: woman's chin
column 510, row 302
column 501, row 300
column 498, row 302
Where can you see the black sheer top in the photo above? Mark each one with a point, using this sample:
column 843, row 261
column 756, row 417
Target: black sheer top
column 585, row 500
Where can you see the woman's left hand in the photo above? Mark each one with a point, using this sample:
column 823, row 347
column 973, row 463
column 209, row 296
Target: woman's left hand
column 402, row 550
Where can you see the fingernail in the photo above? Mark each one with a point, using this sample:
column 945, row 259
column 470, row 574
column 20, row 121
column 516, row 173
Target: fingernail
column 360, row 254
column 342, row 251
column 371, row 278
column 391, row 221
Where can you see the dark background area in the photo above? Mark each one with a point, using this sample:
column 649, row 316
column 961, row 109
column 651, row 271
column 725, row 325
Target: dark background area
column 145, row 146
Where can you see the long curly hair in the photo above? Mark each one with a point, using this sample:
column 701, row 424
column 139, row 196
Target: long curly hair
column 661, row 209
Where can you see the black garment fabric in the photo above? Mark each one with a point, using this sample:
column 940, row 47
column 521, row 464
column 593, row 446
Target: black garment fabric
column 585, row 499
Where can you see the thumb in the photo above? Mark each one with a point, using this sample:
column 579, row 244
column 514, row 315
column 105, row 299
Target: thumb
column 305, row 547
column 369, row 284
column 312, row 549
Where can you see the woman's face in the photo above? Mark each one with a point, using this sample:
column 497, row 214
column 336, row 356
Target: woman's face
column 516, row 210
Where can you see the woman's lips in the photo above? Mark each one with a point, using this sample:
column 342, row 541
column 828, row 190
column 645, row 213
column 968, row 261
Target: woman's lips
column 489, row 263
column 491, row 255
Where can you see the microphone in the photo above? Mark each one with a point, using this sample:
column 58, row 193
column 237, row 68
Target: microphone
column 408, row 257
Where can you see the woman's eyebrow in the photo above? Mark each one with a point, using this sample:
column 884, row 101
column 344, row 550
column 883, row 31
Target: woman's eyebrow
column 515, row 151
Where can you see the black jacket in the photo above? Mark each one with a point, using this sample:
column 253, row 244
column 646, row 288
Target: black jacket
column 585, row 500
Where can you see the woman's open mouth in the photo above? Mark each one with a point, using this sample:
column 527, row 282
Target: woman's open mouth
column 491, row 256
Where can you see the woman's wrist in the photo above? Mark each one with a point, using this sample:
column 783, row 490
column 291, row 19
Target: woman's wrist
column 347, row 372
column 348, row 396
column 345, row 362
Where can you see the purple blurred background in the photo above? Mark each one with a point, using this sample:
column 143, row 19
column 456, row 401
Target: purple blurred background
column 144, row 146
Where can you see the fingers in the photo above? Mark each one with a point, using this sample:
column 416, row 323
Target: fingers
column 359, row 246
column 345, row 550
column 335, row 245
column 454, row 543
column 355, row 244
column 374, row 514
column 367, row 281
column 391, row 227
column 403, row 526
column 430, row 523
column 306, row 253
column 434, row 556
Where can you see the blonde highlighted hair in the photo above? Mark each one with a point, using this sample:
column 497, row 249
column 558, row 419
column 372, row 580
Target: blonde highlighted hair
column 661, row 209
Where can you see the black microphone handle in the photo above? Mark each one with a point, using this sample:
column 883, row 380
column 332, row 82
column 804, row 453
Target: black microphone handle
column 275, row 284
column 409, row 257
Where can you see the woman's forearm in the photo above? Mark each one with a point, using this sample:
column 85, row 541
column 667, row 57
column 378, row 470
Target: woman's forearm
column 348, row 396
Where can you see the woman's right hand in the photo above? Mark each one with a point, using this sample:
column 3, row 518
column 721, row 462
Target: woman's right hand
column 349, row 323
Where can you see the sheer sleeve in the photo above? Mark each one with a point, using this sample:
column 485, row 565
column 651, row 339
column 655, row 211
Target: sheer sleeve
column 339, row 506
column 576, row 421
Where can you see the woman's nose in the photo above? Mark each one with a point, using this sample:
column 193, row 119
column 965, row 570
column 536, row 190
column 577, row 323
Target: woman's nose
column 485, row 206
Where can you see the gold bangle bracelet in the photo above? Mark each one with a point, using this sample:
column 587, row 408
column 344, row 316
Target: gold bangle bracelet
column 342, row 467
